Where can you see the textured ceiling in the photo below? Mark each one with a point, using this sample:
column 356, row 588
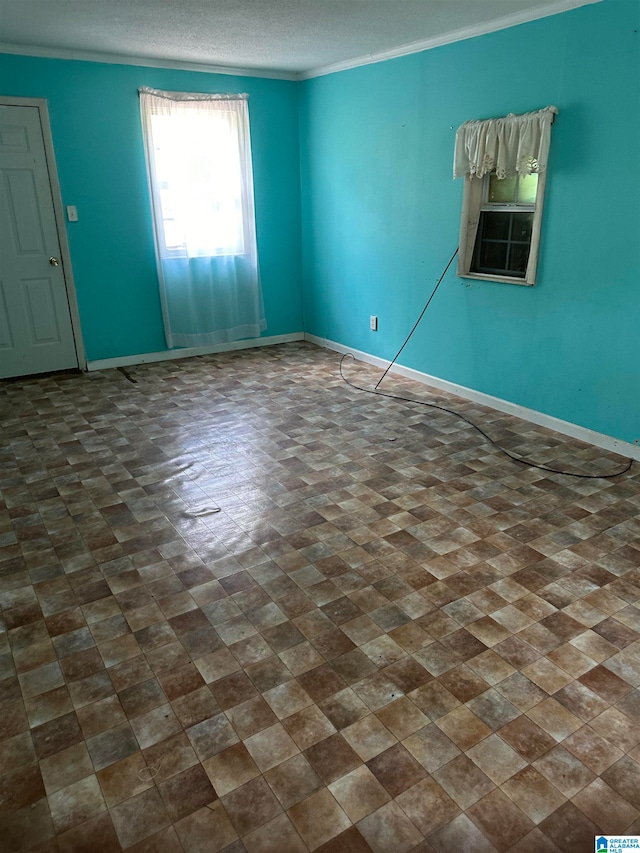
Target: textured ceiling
column 291, row 36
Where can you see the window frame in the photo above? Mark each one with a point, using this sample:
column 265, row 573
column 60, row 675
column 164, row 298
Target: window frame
column 474, row 200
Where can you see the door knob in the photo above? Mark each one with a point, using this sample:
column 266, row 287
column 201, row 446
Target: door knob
column 54, row 262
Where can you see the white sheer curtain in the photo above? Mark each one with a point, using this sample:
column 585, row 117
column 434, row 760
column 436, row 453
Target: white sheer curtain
column 200, row 174
column 515, row 144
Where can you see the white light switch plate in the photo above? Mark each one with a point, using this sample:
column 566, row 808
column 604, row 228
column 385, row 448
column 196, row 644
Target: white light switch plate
column 72, row 213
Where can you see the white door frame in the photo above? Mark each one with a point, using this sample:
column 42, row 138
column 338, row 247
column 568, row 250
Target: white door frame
column 41, row 105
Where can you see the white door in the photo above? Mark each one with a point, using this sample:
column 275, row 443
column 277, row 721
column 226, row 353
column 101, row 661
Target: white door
column 36, row 334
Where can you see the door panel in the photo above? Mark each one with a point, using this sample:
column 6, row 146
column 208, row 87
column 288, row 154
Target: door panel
column 6, row 341
column 22, row 202
column 40, row 310
column 36, row 334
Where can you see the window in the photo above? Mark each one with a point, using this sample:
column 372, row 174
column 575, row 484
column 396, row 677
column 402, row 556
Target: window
column 503, row 238
column 503, row 162
column 202, row 204
column 198, row 152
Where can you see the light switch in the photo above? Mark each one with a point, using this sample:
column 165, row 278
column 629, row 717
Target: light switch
column 72, row 213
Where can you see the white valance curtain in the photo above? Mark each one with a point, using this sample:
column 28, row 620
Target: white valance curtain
column 201, row 179
column 515, row 144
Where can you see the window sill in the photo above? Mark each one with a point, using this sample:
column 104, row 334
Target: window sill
column 504, row 279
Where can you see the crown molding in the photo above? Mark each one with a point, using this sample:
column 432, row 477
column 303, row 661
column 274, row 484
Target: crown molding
column 148, row 62
column 502, row 23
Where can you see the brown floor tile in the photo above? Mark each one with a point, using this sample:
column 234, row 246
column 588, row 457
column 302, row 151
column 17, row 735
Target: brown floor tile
column 570, row 829
column 396, row 769
column 463, row 727
column 434, row 700
column 112, row 745
column 564, row 770
column 464, row 781
column 92, row 688
column 343, row 708
column 527, row 738
column 13, row 720
column 493, row 709
column 322, row 682
column 169, row 757
column 28, row 827
column 275, row 836
column 155, row 725
column 293, row 780
column 212, row 736
column 287, row 699
column 96, row 834
column 617, row 728
column 268, row 673
column 251, row 806
column 349, row 841
column 308, row 727
column 500, row 820
column 535, row 840
column 232, row 690
column 192, row 708
column 17, row 751
column 359, row 793
column 389, row 830
column 66, row 767
column 407, row 674
column 230, row 769
column 332, row 758
column 427, row 805
column 555, row 719
column 165, row 841
column 624, row 778
column 431, row 747
column 606, row 808
column 368, row 737
column 141, row 698
column 208, row 830
column 596, row 752
column 270, row 747
column 606, row 684
column 402, row 717
column 76, row 803
column 56, row 735
column 463, row 683
column 125, row 779
column 581, row 701
column 521, row 692
column 461, row 834
column 20, row 788
column 100, row 716
column 496, row 759
column 533, row 794
column 139, row 817
column 318, row 819
column 187, row 792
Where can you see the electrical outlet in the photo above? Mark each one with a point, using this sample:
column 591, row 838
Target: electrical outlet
column 373, row 323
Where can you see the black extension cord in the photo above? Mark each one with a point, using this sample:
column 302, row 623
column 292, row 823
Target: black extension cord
column 522, row 460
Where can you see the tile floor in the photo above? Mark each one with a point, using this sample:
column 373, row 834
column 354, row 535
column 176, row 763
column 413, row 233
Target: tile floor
column 389, row 638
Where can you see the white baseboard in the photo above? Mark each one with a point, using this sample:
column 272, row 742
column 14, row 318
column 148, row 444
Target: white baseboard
column 598, row 439
column 189, row 352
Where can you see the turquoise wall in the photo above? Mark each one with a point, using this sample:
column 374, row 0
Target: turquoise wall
column 381, row 215
column 97, row 137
